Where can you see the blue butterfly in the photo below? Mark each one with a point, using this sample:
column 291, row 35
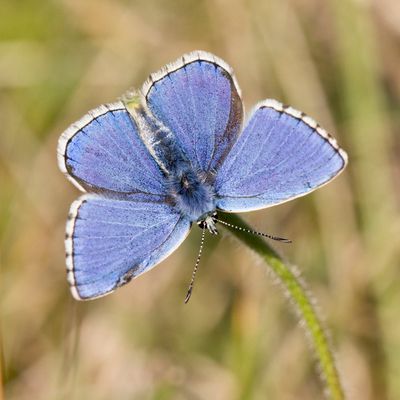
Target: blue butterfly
column 172, row 155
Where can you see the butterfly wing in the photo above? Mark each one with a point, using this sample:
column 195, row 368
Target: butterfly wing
column 198, row 99
column 281, row 154
column 109, row 242
column 103, row 152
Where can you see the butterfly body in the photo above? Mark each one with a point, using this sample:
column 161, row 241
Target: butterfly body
column 174, row 155
column 188, row 189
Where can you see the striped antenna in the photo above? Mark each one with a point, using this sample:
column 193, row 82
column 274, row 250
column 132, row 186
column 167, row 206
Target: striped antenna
column 239, row 228
column 189, row 292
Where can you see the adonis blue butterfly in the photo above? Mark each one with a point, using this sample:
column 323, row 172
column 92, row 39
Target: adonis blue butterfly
column 173, row 154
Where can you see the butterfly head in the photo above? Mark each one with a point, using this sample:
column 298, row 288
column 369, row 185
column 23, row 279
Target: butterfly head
column 208, row 221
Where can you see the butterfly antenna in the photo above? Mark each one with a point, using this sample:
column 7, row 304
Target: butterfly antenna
column 239, row 228
column 189, row 292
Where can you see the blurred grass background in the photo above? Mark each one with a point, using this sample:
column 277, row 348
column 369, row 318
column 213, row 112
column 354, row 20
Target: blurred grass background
column 337, row 60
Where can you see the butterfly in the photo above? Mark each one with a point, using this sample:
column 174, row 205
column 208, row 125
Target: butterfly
column 173, row 154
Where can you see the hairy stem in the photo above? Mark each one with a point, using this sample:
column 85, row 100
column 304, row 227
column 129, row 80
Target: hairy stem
column 301, row 300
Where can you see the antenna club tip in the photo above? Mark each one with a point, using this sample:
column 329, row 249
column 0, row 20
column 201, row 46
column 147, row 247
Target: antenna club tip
column 188, row 295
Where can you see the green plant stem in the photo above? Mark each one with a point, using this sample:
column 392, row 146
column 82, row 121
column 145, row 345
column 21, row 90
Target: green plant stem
column 300, row 298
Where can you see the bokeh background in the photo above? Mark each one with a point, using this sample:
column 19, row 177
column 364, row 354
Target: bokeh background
column 337, row 60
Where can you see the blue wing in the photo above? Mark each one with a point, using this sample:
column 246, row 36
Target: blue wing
column 198, row 99
column 109, row 242
column 103, row 152
column 282, row 154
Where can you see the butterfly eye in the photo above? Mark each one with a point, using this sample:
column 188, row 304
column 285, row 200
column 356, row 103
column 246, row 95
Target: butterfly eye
column 202, row 224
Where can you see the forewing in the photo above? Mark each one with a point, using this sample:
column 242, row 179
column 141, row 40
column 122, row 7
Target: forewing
column 282, row 154
column 103, row 152
column 109, row 242
column 197, row 97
